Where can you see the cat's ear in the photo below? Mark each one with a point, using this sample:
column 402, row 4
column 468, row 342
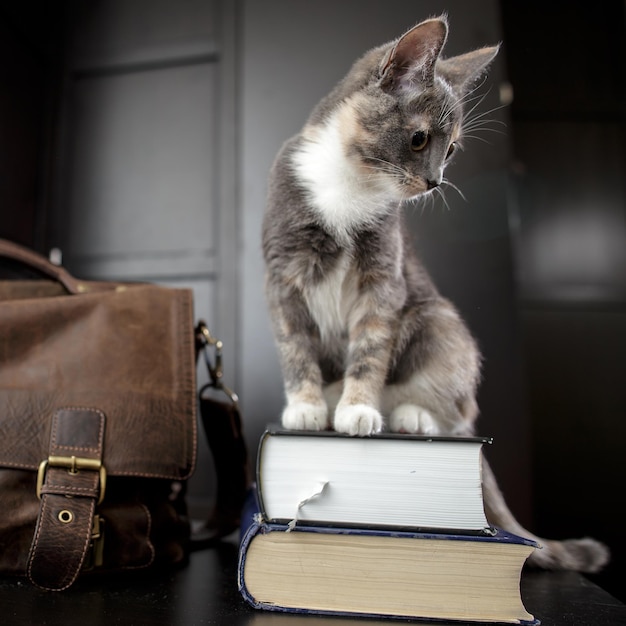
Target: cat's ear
column 411, row 61
column 461, row 71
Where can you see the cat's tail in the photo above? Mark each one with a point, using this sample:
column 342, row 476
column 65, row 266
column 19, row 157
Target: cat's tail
column 583, row 555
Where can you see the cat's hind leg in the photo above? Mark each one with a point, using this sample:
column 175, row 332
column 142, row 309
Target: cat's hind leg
column 413, row 419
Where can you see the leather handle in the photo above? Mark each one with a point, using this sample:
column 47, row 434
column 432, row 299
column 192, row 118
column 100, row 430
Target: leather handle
column 15, row 252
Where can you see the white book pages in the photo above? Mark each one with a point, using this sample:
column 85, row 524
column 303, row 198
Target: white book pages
column 397, row 482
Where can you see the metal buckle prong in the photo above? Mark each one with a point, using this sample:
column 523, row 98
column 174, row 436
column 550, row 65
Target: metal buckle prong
column 73, row 464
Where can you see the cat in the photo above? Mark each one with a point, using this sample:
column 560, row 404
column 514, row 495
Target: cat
column 365, row 340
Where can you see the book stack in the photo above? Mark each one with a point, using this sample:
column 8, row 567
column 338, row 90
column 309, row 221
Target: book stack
column 389, row 526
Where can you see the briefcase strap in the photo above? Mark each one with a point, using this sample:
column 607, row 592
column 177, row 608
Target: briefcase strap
column 224, row 433
column 70, row 484
column 15, row 252
column 57, row 273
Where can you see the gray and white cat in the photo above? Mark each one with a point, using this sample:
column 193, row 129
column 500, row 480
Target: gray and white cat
column 366, row 341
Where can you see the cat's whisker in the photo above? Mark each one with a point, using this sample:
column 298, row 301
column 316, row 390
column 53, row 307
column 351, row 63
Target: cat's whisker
column 463, row 102
column 446, row 182
column 477, row 138
column 484, row 125
column 466, row 99
column 429, row 199
column 481, row 118
column 481, row 123
column 442, row 195
column 396, row 171
column 447, row 110
column 476, row 88
column 388, row 166
column 482, row 128
column 374, row 170
column 474, row 95
column 478, row 100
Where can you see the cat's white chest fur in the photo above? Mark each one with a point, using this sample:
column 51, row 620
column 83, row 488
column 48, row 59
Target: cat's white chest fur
column 331, row 300
column 343, row 191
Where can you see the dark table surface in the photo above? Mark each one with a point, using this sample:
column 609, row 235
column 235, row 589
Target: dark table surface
column 205, row 592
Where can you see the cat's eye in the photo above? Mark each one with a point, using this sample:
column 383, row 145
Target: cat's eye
column 419, row 140
column 451, row 149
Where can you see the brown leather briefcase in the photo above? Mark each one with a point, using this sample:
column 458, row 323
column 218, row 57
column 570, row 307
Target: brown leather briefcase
column 97, row 423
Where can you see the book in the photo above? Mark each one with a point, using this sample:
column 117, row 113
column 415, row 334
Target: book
column 386, row 480
column 382, row 573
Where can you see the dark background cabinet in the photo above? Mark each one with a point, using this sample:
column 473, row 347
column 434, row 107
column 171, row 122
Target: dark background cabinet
column 568, row 126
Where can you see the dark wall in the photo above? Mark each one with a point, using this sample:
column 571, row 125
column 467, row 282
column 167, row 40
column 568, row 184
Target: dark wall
column 568, row 70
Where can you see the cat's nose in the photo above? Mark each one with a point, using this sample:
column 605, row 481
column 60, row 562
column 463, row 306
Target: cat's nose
column 431, row 184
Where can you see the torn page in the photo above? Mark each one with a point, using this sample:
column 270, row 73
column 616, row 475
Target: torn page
column 316, row 494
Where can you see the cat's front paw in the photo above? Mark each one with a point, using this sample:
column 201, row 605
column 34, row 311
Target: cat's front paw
column 412, row 419
column 305, row 416
column 358, row 419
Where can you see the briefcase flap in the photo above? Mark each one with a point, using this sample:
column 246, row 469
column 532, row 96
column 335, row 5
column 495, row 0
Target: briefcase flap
column 125, row 350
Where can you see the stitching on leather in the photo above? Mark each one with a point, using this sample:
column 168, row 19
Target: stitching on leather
column 91, row 492
column 148, row 542
column 53, row 437
column 34, row 550
column 186, row 304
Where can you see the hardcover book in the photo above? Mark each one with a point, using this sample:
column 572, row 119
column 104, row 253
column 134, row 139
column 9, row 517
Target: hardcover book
column 382, row 573
column 386, row 480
